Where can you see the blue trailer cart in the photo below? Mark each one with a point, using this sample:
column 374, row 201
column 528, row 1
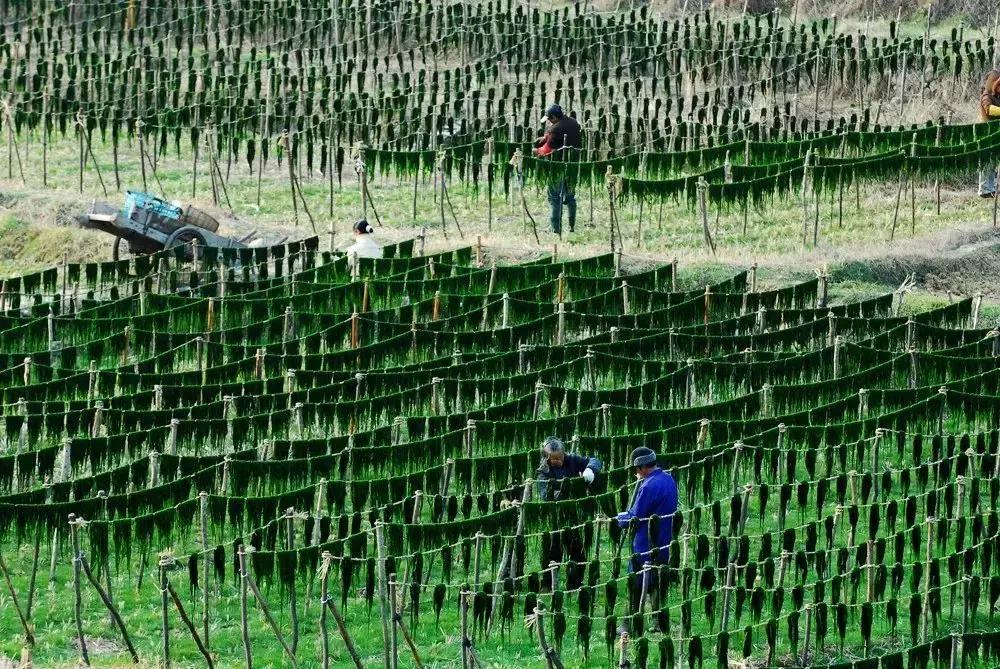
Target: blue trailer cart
column 148, row 224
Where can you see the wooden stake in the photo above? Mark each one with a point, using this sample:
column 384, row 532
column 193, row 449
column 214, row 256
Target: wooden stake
column 165, row 561
column 926, row 609
column 205, row 567
column 34, row 573
column 393, row 638
column 115, row 616
column 465, row 641
column 244, row 626
column 29, row 637
column 78, row 598
column 551, row 656
column 335, row 611
column 272, row 623
column 292, row 596
column 190, row 625
column 702, row 189
column 383, row 594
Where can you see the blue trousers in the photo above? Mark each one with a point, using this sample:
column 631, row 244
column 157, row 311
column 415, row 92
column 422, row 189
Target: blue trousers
column 987, row 181
column 561, row 194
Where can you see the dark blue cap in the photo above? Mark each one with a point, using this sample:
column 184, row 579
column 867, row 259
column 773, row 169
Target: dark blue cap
column 554, row 111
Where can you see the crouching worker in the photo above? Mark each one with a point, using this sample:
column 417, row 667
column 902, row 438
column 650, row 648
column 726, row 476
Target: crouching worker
column 557, row 464
column 654, row 506
column 567, row 545
column 364, row 245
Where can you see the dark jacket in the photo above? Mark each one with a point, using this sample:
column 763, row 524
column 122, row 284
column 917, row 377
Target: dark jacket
column 565, row 132
column 573, row 465
column 990, row 97
column 657, row 496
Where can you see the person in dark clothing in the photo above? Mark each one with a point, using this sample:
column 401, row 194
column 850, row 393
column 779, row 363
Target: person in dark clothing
column 557, row 464
column 654, row 505
column 656, row 498
column 989, row 111
column 567, row 544
column 561, row 142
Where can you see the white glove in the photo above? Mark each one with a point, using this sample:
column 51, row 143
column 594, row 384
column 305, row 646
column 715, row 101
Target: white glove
column 588, row 475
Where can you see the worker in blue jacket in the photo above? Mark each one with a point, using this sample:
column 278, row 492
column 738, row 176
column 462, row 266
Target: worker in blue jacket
column 657, row 496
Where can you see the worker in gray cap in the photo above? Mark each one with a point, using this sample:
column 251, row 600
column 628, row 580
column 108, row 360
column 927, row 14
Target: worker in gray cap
column 557, row 464
column 656, row 496
column 567, row 544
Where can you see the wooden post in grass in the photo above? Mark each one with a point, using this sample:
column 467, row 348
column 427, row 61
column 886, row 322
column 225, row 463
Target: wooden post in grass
column 519, row 533
column 926, row 608
column 805, row 187
column 702, row 190
column 165, row 561
column 623, row 651
column 977, row 305
column 838, row 343
column 293, row 604
column 737, row 450
column 561, row 323
column 465, row 641
column 955, row 659
column 393, row 630
column 551, row 656
column 398, row 622
column 383, row 594
column 328, row 603
column 244, row 624
column 476, row 560
column 106, row 599
column 29, row 637
column 78, row 597
column 805, row 650
column 727, row 595
column 956, row 513
column 913, row 186
column 205, row 567
column 269, row 617
column 996, row 175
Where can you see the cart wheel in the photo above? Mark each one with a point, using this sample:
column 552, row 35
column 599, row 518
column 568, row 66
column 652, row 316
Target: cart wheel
column 185, row 237
column 121, row 250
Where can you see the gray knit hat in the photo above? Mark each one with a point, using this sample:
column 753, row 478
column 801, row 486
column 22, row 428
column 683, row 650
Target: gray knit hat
column 552, row 445
column 643, row 457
